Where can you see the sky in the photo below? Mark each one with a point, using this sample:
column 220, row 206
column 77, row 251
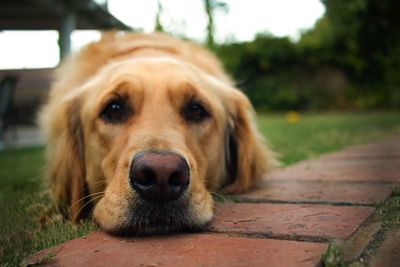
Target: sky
column 242, row 21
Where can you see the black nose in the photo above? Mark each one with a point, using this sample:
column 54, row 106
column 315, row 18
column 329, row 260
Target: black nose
column 159, row 176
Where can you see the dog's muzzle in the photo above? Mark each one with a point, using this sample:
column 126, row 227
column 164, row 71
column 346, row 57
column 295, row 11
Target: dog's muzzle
column 159, row 176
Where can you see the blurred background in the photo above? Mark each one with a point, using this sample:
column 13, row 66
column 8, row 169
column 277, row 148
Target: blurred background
column 286, row 55
column 322, row 75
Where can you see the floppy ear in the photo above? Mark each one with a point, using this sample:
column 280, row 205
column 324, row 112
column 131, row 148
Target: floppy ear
column 247, row 156
column 65, row 156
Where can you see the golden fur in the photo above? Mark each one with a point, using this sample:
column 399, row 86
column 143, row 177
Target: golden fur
column 88, row 159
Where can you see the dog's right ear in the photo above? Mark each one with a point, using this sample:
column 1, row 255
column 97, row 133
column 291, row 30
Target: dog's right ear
column 65, row 170
column 246, row 154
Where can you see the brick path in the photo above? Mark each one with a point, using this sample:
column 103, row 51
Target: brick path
column 288, row 221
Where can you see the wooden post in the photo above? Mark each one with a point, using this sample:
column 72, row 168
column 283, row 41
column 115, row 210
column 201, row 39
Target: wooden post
column 68, row 24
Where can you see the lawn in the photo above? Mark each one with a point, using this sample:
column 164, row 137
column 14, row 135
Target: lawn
column 315, row 134
column 28, row 223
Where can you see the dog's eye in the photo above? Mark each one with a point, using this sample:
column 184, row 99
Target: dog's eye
column 114, row 112
column 195, row 112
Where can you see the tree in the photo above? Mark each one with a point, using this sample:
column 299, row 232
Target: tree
column 158, row 26
column 367, row 36
column 350, row 59
column 210, row 6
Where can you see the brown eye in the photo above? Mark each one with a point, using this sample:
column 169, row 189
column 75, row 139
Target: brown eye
column 114, row 112
column 195, row 112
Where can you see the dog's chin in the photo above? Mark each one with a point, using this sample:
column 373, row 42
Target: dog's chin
column 153, row 218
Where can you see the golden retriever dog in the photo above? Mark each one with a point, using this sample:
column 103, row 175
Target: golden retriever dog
column 142, row 129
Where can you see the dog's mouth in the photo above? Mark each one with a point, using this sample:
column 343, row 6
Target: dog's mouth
column 160, row 204
column 150, row 217
column 160, row 201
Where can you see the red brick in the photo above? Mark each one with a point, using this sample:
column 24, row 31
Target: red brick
column 388, row 253
column 312, row 173
column 289, row 220
column 100, row 249
column 330, row 192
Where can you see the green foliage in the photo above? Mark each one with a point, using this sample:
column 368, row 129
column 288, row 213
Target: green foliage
column 278, row 74
column 367, row 34
column 319, row 36
column 350, row 59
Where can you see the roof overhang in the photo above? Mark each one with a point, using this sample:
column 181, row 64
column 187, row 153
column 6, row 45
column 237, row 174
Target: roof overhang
column 50, row 14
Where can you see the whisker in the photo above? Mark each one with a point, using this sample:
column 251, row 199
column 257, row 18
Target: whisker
column 89, row 202
column 85, row 197
column 90, row 195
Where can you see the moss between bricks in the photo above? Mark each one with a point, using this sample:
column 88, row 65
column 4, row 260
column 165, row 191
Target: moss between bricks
column 389, row 212
column 333, row 257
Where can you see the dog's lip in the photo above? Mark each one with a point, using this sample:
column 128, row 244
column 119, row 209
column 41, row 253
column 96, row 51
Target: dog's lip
column 151, row 217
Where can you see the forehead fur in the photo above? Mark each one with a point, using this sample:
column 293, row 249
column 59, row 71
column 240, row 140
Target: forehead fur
column 116, row 46
column 161, row 72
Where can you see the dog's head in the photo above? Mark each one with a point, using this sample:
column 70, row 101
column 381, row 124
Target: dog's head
column 144, row 143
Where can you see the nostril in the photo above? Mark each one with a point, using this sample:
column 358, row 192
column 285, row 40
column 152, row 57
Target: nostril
column 178, row 179
column 146, row 177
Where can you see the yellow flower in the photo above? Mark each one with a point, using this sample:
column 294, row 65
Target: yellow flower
column 292, row 117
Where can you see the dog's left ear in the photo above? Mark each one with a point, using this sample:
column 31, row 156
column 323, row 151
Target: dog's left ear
column 65, row 168
column 247, row 156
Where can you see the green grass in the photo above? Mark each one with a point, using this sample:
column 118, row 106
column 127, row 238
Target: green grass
column 28, row 223
column 315, row 134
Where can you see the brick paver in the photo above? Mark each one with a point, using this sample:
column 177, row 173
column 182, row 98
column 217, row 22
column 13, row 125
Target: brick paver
column 287, row 221
column 318, row 192
column 100, row 249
